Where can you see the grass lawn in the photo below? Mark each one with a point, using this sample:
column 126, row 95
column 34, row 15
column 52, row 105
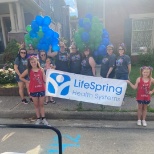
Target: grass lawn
column 135, row 73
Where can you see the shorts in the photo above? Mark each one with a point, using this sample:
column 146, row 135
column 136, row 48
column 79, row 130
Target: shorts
column 38, row 94
column 122, row 76
column 143, row 102
column 18, row 79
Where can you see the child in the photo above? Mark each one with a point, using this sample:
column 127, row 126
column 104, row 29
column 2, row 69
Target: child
column 49, row 65
column 36, row 87
column 143, row 98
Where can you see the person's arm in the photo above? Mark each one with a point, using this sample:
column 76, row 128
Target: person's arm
column 52, row 54
column 109, row 71
column 16, row 69
column 44, row 76
column 23, row 75
column 129, row 68
column 93, row 65
column 151, row 91
column 112, row 62
column 136, row 84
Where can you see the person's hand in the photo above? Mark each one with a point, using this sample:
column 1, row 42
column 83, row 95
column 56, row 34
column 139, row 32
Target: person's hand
column 27, row 81
column 128, row 81
column 150, row 92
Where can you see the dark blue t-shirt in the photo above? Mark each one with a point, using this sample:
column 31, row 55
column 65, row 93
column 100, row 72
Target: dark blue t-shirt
column 107, row 62
column 62, row 61
column 122, row 63
column 75, row 63
column 86, row 69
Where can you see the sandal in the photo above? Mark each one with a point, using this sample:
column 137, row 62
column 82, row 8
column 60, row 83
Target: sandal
column 30, row 100
column 53, row 102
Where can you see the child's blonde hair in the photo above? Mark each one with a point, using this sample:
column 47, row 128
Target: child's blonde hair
column 146, row 68
column 29, row 67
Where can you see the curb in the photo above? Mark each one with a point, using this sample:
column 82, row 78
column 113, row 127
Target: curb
column 88, row 115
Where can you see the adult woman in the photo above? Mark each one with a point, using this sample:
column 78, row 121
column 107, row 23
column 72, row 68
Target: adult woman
column 20, row 65
column 31, row 51
column 108, row 63
column 75, row 60
column 42, row 58
column 88, row 64
column 61, row 58
column 123, row 64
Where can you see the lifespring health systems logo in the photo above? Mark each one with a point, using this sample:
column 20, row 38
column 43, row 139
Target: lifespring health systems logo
column 59, row 83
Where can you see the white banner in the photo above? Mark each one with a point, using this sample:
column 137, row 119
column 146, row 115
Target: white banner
column 90, row 89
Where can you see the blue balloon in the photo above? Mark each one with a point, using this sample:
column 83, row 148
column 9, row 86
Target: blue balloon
column 55, row 41
column 39, row 47
column 85, row 37
column 55, row 48
column 80, row 22
column 105, row 33
column 106, row 41
column 101, row 50
column 49, row 34
column 46, row 20
column 45, row 28
column 34, row 26
column 87, row 26
column 96, row 53
column 89, row 16
column 33, row 34
column 56, row 35
column 39, row 20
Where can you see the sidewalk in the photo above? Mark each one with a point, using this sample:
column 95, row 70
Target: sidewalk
column 11, row 107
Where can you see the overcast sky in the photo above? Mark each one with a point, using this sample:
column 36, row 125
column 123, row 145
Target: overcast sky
column 73, row 7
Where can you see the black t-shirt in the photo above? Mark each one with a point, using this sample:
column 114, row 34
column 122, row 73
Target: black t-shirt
column 86, row 69
column 107, row 62
column 122, row 63
column 62, row 61
column 75, row 63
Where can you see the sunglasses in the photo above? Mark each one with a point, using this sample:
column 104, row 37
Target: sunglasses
column 43, row 55
column 23, row 52
column 146, row 67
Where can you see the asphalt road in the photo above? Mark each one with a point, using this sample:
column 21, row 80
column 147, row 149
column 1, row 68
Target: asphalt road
column 79, row 137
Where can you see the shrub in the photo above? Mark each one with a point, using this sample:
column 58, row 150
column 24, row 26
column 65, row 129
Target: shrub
column 11, row 51
column 147, row 58
column 7, row 74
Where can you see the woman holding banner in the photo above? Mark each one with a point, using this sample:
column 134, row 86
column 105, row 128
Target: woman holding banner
column 123, row 64
column 88, row 65
column 108, row 63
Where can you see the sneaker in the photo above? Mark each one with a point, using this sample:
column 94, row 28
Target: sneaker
column 144, row 123
column 24, row 101
column 53, row 102
column 139, row 122
column 47, row 102
column 38, row 121
column 44, row 122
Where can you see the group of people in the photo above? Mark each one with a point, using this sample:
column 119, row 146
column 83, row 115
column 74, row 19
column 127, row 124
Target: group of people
column 30, row 71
